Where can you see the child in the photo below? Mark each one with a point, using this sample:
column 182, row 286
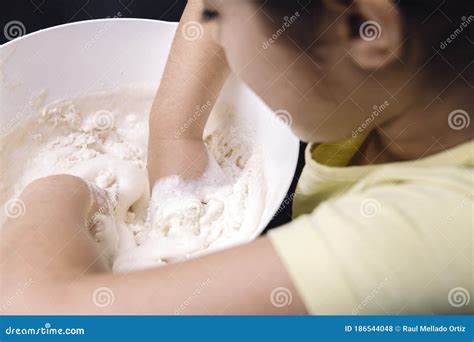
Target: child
column 383, row 210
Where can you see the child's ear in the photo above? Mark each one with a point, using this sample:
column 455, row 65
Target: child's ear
column 373, row 32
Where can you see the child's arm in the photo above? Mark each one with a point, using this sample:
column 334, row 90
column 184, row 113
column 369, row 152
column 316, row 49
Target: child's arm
column 51, row 265
column 194, row 76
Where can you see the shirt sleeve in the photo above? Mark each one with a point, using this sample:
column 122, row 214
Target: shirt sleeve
column 386, row 249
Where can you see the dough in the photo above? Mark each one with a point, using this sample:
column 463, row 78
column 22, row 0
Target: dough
column 103, row 139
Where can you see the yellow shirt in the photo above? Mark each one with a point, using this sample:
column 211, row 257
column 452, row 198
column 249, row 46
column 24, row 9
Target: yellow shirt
column 383, row 239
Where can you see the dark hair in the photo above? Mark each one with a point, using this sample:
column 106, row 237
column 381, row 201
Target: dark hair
column 430, row 25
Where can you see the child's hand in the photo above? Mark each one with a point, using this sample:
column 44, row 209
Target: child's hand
column 101, row 221
column 187, row 158
column 75, row 200
column 72, row 192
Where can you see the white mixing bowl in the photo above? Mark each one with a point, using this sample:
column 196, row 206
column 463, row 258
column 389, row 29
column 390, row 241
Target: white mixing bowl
column 84, row 57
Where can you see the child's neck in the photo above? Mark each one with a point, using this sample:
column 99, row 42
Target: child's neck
column 422, row 130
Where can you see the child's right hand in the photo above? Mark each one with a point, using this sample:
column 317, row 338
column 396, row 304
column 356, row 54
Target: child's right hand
column 187, row 158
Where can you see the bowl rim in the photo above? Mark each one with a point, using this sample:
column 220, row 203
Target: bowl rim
column 82, row 22
column 286, row 184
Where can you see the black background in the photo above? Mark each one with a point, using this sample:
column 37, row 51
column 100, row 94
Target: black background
column 39, row 14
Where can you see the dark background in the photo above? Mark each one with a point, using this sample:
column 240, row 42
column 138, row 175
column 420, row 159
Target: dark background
column 39, row 14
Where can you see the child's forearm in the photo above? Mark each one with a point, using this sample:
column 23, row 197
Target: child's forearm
column 237, row 281
column 195, row 73
column 50, row 264
column 242, row 280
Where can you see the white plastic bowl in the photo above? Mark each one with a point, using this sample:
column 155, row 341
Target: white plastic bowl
column 89, row 56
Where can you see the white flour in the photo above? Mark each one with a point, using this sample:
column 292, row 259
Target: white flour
column 103, row 139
